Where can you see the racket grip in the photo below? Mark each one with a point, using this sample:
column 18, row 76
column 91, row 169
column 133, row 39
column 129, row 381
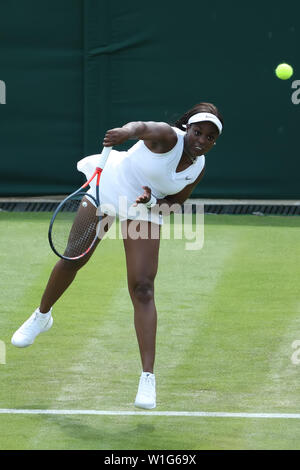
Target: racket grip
column 104, row 156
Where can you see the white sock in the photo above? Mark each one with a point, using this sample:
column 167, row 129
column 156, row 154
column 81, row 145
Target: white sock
column 47, row 313
column 146, row 374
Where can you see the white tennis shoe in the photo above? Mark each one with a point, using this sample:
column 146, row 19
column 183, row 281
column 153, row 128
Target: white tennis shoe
column 37, row 323
column 146, row 395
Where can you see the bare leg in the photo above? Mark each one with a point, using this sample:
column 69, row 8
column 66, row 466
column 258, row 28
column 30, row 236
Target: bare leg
column 62, row 275
column 142, row 263
column 64, row 272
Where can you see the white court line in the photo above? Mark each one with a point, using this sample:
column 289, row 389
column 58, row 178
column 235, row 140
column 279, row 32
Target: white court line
column 201, row 414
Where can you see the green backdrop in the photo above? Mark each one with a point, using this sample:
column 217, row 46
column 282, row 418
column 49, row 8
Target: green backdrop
column 74, row 68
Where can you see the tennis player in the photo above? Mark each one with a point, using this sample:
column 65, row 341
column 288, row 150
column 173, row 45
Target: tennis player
column 161, row 168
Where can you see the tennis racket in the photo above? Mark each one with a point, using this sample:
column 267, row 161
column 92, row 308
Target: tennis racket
column 75, row 224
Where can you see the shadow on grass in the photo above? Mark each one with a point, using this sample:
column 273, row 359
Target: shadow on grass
column 97, row 432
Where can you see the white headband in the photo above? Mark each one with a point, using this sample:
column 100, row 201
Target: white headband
column 199, row 117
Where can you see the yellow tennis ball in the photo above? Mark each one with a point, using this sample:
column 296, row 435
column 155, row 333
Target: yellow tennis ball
column 284, row 71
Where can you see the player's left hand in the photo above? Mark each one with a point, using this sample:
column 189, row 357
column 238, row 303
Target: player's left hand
column 143, row 198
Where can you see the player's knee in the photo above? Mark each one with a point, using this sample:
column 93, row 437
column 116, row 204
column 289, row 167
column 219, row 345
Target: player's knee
column 143, row 291
column 71, row 265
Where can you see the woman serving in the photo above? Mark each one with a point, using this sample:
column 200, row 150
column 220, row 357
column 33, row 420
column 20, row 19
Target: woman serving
column 161, row 169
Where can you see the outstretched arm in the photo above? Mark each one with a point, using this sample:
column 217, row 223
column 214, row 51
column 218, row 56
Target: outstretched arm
column 159, row 137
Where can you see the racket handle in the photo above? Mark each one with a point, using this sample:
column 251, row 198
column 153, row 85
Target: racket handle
column 104, row 156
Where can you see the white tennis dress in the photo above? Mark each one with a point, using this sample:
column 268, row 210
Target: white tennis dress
column 125, row 173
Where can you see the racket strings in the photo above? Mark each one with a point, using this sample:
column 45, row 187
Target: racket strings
column 76, row 227
column 80, row 239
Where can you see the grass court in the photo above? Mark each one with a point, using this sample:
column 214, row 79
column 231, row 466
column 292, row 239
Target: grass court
column 228, row 319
